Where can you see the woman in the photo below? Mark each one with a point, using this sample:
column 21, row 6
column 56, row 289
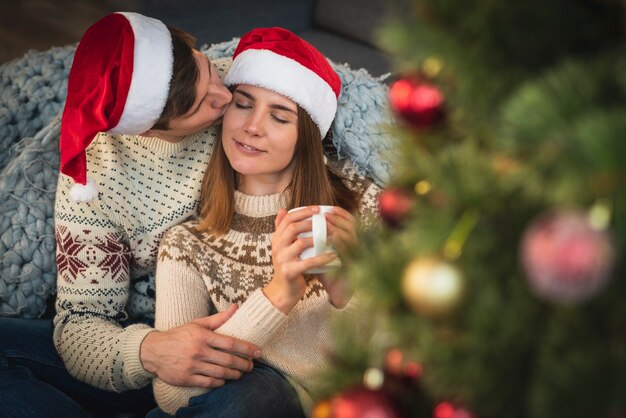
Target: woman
column 245, row 249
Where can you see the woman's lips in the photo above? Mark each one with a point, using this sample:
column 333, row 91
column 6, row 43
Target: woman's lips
column 248, row 149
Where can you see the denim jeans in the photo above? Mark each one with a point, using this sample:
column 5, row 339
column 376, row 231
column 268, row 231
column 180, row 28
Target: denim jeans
column 34, row 381
column 261, row 393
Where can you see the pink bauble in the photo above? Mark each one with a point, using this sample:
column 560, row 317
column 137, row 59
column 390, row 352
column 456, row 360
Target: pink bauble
column 566, row 260
column 361, row 402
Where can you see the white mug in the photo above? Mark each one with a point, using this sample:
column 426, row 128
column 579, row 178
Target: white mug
column 320, row 241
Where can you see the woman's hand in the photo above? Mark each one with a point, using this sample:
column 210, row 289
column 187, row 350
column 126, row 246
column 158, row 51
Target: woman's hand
column 288, row 284
column 338, row 288
column 341, row 226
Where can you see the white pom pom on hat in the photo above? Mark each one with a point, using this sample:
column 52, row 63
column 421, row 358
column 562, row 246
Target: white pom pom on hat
column 118, row 83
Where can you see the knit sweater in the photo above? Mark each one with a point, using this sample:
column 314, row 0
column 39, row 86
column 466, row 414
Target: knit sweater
column 146, row 186
column 106, row 249
column 199, row 273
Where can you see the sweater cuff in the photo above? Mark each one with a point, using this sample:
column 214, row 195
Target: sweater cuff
column 256, row 320
column 136, row 376
column 171, row 398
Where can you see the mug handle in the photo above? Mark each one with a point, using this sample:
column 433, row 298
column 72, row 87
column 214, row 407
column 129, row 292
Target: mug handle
column 319, row 233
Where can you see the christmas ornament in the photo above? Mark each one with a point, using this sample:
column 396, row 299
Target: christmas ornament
column 394, row 206
column 432, row 286
column 399, row 370
column 423, row 187
column 394, row 362
column 432, row 66
column 360, row 402
column 373, row 378
column 448, row 410
column 321, row 409
column 413, row 370
column 565, row 258
column 420, row 104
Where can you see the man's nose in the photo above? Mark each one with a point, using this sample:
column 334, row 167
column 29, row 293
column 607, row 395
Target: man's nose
column 220, row 96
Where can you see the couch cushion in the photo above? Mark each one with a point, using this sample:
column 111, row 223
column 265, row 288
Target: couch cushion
column 216, row 20
column 343, row 50
column 356, row 19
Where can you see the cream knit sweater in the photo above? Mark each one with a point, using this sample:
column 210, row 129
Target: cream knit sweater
column 198, row 274
column 106, row 249
column 145, row 186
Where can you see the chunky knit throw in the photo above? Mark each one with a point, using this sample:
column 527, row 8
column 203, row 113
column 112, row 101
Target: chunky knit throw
column 32, row 93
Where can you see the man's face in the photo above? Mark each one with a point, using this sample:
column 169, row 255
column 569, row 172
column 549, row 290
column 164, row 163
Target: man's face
column 212, row 99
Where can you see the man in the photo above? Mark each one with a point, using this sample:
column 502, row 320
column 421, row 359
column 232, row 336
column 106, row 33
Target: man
column 136, row 135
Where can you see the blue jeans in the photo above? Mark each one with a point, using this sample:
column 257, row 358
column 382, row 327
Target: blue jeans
column 261, row 393
column 34, row 381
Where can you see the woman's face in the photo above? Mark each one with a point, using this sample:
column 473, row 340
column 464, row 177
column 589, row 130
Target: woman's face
column 259, row 135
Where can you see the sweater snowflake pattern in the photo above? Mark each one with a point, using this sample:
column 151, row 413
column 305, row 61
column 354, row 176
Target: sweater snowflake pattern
column 106, row 249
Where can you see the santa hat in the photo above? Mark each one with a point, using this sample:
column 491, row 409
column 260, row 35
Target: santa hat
column 278, row 60
column 119, row 83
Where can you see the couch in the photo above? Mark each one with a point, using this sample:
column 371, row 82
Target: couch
column 33, row 88
column 344, row 30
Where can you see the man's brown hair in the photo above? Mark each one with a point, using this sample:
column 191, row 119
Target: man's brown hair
column 185, row 74
column 313, row 183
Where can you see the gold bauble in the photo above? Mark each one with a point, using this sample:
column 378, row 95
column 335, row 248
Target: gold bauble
column 322, row 409
column 432, row 286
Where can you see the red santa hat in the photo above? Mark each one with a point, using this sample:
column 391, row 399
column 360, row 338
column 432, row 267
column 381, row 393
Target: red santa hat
column 278, row 60
column 119, row 83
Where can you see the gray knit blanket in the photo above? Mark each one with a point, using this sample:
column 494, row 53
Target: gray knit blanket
column 32, row 93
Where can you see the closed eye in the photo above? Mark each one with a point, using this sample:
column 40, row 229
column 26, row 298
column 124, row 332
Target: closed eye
column 279, row 120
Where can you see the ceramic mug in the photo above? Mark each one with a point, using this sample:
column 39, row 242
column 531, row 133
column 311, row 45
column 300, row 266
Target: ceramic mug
column 320, row 240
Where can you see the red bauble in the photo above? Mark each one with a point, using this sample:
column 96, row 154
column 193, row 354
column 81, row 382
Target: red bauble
column 566, row 260
column 394, row 206
column 448, row 410
column 363, row 403
column 420, row 104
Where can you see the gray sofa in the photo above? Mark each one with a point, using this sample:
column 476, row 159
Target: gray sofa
column 344, row 30
column 32, row 94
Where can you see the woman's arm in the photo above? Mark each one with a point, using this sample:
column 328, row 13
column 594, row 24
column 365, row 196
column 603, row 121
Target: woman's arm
column 204, row 358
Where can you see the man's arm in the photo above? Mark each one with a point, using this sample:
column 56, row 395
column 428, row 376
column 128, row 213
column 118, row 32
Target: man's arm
column 92, row 292
column 93, row 258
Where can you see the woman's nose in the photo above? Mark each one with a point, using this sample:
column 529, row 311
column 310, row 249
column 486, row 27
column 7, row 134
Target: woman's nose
column 254, row 124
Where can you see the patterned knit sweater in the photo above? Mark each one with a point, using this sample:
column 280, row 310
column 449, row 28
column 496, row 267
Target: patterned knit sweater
column 106, row 249
column 198, row 274
column 146, row 186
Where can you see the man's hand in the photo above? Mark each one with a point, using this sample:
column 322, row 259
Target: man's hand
column 194, row 355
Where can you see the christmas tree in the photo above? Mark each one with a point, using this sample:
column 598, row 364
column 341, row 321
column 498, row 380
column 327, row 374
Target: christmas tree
column 495, row 285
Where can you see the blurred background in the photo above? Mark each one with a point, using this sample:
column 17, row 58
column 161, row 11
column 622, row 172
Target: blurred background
column 41, row 24
column 344, row 31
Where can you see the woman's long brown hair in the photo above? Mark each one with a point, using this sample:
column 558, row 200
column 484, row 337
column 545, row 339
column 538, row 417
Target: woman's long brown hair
column 313, row 183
